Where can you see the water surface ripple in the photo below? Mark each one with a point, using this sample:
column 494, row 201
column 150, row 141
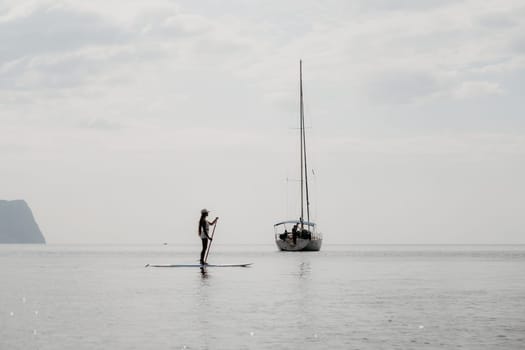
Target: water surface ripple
column 344, row 297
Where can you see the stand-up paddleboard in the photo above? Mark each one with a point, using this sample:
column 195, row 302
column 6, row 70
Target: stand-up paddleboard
column 199, row 265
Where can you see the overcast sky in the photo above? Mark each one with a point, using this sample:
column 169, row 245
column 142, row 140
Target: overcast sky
column 120, row 120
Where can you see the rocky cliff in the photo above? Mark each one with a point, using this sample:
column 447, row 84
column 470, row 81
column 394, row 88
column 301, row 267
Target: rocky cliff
column 17, row 224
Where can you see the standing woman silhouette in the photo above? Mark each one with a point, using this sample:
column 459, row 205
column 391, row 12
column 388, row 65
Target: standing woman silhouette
column 204, row 229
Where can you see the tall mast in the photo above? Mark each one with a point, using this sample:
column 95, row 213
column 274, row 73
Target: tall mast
column 305, row 168
column 301, row 128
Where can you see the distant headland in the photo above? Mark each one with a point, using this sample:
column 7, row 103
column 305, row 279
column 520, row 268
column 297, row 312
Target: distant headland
column 17, row 224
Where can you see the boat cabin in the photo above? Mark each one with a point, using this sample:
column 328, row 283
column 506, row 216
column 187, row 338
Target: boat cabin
column 288, row 229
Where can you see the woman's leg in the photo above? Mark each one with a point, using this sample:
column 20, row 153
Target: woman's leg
column 203, row 251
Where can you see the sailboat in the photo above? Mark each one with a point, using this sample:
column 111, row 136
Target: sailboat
column 301, row 234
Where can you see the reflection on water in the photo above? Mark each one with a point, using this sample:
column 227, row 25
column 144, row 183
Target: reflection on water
column 304, row 269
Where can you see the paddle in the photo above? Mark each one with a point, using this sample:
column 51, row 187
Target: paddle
column 211, row 241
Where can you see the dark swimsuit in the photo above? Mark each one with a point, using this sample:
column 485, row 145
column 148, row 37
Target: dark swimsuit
column 203, row 227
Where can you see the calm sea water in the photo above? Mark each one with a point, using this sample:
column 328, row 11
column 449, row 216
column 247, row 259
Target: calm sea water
column 344, row 297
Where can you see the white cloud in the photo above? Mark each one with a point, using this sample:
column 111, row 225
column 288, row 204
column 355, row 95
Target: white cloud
column 463, row 144
column 100, row 124
column 50, row 29
column 474, row 89
column 402, row 86
column 413, row 41
column 495, row 20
